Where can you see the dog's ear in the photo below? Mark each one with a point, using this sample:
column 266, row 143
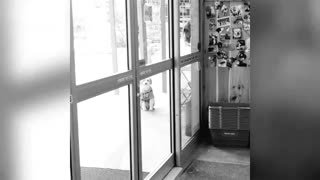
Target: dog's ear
column 150, row 81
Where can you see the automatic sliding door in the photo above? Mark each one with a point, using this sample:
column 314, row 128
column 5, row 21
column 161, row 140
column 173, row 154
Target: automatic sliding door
column 190, row 106
column 189, row 27
column 103, row 123
column 190, row 70
column 153, row 31
column 155, row 122
column 118, row 134
column 100, row 39
column 101, row 108
column 155, row 103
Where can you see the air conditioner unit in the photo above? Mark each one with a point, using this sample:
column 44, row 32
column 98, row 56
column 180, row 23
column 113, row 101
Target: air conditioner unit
column 229, row 123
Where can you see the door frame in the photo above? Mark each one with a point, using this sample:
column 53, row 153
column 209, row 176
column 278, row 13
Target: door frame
column 131, row 78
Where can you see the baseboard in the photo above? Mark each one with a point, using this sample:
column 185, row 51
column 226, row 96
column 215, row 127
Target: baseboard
column 174, row 174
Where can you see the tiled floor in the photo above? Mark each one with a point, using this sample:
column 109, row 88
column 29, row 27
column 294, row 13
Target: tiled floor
column 222, row 163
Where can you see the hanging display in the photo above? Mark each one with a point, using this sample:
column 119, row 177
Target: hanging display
column 237, row 33
column 210, row 12
column 229, row 29
column 246, row 7
column 246, row 18
column 246, row 27
column 241, row 44
column 212, row 60
column 224, row 22
column 236, row 10
column 218, row 5
column 238, row 20
column 213, row 40
column 228, row 48
column 223, row 9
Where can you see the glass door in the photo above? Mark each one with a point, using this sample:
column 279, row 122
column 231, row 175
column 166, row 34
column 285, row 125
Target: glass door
column 122, row 106
column 135, row 98
column 154, row 87
column 100, row 88
column 189, row 77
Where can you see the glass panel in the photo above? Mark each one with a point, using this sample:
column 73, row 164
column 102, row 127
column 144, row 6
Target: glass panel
column 189, row 26
column 100, row 41
column 104, row 136
column 189, row 102
column 153, row 31
column 155, row 121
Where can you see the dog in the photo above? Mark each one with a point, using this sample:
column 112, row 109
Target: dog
column 225, row 10
column 237, row 92
column 146, row 95
column 235, row 11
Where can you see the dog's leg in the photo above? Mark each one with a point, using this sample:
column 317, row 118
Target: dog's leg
column 151, row 104
column 143, row 105
column 148, row 105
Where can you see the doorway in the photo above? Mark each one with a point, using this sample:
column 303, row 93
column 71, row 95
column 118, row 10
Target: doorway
column 129, row 110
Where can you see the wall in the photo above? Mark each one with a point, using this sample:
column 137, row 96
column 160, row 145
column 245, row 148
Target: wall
column 285, row 117
column 229, row 84
column 34, row 95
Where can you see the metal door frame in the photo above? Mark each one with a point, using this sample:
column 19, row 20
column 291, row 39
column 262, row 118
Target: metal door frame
column 184, row 155
column 131, row 78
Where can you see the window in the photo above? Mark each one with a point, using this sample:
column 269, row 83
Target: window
column 100, row 41
column 189, row 27
column 189, row 102
column 155, row 121
column 153, row 34
column 104, row 146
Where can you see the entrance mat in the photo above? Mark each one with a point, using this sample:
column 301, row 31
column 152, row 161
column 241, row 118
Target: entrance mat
column 91, row 173
column 216, row 171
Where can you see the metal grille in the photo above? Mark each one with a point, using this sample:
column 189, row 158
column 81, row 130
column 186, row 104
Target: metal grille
column 244, row 118
column 214, row 117
column 229, row 118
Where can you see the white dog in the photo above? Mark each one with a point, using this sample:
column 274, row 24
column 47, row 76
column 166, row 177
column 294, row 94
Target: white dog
column 146, row 95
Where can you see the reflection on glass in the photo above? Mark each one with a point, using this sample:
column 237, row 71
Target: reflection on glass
column 189, row 102
column 189, row 26
column 100, row 43
column 104, row 136
column 155, row 121
column 153, row 32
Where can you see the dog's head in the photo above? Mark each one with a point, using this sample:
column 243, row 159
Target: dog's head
column 218, row 5
column 235, row 11
column 146, row 84
column 224, row 9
